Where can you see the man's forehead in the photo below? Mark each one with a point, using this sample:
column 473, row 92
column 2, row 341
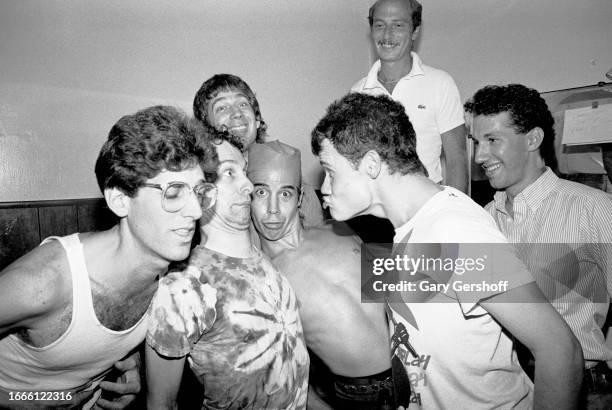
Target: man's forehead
column 401, row 9
column 328, row 151
column 492, row 121
column 229, row 153
column 274, row 185
column 189, row 175
column 226, row 94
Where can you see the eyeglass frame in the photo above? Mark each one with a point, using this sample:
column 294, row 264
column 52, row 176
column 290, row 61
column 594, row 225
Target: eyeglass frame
column 212, row 187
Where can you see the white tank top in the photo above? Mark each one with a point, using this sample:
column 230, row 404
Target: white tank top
column 81, row 356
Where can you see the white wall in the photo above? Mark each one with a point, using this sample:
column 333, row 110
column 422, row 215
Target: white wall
column 544, row 44
column 70, row 68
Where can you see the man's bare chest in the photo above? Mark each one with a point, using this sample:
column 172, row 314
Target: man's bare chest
column 113, row 310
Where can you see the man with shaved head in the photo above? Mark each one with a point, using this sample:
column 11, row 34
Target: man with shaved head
column 324, row 269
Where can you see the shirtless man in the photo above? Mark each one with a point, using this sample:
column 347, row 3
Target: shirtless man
column 324, row 269
column 73, row 307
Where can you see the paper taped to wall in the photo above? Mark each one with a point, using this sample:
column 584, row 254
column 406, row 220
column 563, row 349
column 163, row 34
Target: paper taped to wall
column 588, row 125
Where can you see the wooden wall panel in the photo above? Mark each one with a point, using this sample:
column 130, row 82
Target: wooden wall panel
column 24, row 224
column 95, row 217
column 19, row 233
column 57, row 220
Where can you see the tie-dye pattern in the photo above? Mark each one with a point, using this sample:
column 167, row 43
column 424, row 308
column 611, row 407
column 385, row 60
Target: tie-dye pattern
column 254, row 355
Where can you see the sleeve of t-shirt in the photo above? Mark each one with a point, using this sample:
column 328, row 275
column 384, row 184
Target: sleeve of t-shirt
column 450, row 109
column 485, row 264
column 182, row 310
column 485, row 270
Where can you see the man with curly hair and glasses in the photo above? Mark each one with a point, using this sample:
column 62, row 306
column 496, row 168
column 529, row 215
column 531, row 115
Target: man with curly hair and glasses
column 73, row 308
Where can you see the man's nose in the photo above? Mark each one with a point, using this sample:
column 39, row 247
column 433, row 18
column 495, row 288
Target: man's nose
column 273, row 204
column 326, row 187
column 246, row 187
column 481, row 153
column 236, row 111
column 192, row 207
column 387, row 32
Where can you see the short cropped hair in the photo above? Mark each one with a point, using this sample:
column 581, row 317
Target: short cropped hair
column 415, row 6
column 358, row 123
column 226, row 82
column 526, row 109
column 141, row 145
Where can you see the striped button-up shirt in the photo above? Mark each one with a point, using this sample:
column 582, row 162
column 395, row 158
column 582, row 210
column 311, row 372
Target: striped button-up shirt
column 571, row 224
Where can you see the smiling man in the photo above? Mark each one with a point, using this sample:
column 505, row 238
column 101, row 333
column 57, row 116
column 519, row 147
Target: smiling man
column 73, row 307
column 429, row 96
column 454, row 346
column 230, row 312
column 225, row 101
column 324, row 269
column 513, row 132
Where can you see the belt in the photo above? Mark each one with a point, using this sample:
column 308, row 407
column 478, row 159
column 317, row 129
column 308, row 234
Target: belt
column 365, row 385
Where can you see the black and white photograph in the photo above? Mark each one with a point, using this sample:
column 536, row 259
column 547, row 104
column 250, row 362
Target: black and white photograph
column 283, row 204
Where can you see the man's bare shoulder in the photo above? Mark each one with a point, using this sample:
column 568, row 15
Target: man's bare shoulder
column 34, row 284
column 321, row 249
column 325, row 240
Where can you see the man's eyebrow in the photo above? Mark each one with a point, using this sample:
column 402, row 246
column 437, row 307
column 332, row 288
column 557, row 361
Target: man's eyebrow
column 217, row 99
column 224, row 97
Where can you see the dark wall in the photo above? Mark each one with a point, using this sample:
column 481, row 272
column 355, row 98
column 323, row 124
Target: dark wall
column 23, row 225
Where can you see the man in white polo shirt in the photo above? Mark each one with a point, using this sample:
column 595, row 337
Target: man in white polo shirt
column 430, row 97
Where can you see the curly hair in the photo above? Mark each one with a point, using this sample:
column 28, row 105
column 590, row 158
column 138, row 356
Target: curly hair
column 525, row 107
column 358, row 123
column 415, row 6
column 213, row 138
column 141, row 145
column 226, row 82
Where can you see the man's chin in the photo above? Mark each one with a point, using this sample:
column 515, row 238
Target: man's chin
column 339, row 216
column 272, row 237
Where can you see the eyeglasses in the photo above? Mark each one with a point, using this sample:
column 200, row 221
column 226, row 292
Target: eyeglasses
column 175, row 195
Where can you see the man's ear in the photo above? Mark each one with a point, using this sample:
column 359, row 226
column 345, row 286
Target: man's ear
column 117, row 201
column 534, row 138
column 371, row 164
column 416, row 32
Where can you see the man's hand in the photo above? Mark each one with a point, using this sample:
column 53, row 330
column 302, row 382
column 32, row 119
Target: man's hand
column 119, row 394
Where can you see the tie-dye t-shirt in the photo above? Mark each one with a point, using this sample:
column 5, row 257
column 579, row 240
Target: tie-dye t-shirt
column 237, row 320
